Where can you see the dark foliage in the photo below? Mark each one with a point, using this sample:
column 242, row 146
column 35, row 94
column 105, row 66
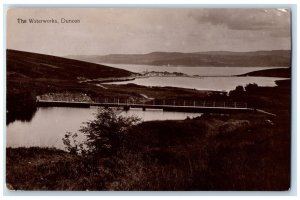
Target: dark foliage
column 251, row 88
column 239, row 92
column 104, row 134
column 21, row 106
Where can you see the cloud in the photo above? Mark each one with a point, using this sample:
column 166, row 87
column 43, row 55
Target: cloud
column 132, row 30
column 245, row 19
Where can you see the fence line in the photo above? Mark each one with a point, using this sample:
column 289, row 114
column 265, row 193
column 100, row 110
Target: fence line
column 154, row 102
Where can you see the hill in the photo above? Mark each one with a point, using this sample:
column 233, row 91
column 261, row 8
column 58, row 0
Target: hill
column 32, row 74
column 38, row 73
column 37, row 66
column 212, row 58
column 278, row 72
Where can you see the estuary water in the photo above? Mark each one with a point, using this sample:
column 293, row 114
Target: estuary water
column 201, row 71
column 202, row 83
column 212, row 78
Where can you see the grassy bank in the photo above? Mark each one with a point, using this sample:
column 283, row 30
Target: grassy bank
column 212, row 152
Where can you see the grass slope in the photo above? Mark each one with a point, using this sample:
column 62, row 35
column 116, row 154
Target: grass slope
column 32, row 74
column 39, row 66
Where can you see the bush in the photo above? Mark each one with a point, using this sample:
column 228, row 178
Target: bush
column 239, row 91
column 104, row 134
column 251, row 87
column 72, row 144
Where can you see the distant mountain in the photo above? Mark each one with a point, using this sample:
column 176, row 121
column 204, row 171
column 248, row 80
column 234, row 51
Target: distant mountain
column 210, row 58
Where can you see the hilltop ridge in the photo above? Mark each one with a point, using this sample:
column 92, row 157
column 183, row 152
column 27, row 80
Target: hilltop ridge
column 280, row 58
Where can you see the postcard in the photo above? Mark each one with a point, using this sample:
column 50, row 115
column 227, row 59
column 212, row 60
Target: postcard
column 148, row 99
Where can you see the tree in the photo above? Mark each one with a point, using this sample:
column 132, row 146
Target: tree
column 251, row 87
column 104, row 134
column 239, row 91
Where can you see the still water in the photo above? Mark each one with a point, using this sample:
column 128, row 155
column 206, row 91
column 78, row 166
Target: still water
column 201, row 71
column 203, row 83
column 49, row 125
column 212, row 78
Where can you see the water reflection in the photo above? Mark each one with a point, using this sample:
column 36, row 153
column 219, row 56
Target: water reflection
column 25, row 115
column 20, row 106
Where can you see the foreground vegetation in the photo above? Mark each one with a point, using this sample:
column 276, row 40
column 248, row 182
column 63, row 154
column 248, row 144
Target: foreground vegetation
column 212, row 152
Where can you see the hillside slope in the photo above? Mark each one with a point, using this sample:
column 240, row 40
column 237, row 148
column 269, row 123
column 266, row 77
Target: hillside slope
column 33, row 65
column 31, row 74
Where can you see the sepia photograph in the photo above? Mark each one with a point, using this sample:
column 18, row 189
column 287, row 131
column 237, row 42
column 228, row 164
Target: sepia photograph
column 148, row 99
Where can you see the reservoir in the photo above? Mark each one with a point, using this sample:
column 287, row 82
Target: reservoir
column 49, row 125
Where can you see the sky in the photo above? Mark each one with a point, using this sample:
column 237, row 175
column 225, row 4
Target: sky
column 103, row 31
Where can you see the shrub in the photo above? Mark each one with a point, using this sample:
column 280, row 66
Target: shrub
column 104, row 134
column 239, row 91
column 251, row 87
